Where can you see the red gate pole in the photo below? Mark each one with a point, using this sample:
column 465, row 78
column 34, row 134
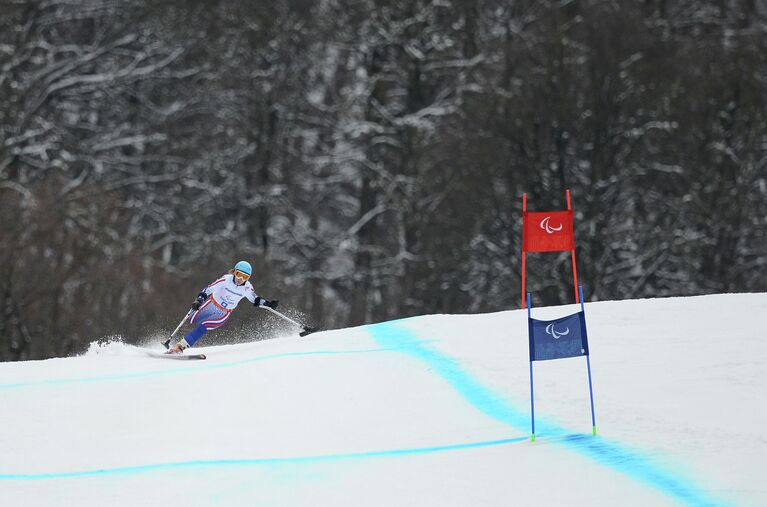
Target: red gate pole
column 572, row 252
column 524, row 255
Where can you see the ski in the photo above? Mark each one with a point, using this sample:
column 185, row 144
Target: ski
column 181, row 356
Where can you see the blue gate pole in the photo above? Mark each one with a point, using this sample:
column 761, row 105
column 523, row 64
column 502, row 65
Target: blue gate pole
column 588, row 365
column 532, row 394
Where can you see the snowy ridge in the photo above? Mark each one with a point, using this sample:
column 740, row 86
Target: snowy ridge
column 430, row 410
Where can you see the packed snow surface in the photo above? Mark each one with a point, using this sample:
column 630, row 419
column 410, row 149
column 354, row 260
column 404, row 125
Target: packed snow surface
column 426, row 411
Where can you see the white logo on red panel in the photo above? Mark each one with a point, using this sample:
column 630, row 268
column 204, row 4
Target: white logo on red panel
column 548, row 228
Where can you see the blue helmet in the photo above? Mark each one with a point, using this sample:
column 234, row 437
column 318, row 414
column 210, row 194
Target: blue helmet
column 244, row 266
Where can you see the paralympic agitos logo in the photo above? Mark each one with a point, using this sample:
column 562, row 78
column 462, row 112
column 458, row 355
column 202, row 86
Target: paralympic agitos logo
column 556, row 334
column 548, row 228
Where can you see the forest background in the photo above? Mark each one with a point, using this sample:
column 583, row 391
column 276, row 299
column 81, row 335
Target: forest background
column 369, row 157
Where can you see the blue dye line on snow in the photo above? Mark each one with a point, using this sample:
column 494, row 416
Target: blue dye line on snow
column 612, row 454
column 259, row 461
column 176, row 371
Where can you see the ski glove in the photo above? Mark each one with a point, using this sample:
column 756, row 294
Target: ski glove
column 201, row 297
column 265, row 302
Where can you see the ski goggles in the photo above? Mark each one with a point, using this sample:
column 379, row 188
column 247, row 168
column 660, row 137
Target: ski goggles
column 240, row 274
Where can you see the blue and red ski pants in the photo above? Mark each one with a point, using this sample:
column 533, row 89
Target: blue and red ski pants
column 210, row 316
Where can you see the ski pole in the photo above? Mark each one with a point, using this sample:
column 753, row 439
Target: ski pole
column 180, row 323
column 306, row 329
column 167, row 343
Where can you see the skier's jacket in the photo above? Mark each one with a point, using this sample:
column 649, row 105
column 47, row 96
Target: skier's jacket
column 226, row 294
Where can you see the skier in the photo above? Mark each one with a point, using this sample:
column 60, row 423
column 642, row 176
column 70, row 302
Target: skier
column 215, row 303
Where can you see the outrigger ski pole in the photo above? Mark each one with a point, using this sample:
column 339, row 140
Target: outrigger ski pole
column 167, row 342
column 306, row 329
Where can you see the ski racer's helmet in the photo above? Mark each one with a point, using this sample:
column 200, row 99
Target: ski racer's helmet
column 244, row 266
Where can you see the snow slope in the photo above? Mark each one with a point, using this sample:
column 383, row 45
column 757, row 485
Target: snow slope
column 427, row 411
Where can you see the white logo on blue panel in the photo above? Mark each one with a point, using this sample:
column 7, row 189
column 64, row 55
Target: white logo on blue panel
column 556, row 334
